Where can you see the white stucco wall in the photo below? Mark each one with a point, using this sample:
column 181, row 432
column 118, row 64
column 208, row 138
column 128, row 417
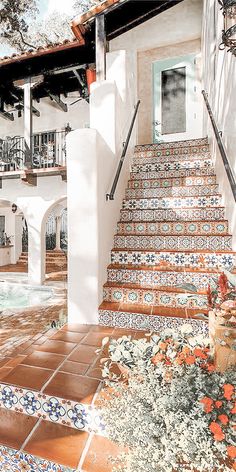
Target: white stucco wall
column 51, row 117
column 173, row 33
column 219, row 80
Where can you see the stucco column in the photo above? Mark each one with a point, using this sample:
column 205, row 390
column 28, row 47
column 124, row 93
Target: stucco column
column 58, row 232
column 36, row 254
column 17, row 241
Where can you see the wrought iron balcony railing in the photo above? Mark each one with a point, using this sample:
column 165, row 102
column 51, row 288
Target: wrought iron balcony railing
column 48, row 149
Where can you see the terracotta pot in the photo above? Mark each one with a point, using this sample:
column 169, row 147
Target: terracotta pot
column 222, row 339
column 91, row 77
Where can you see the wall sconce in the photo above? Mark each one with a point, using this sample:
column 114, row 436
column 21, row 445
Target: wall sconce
column 14, row 208
column 229, row 32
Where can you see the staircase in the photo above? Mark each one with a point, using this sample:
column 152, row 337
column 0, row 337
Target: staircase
column 172, row 240
column 55, row 260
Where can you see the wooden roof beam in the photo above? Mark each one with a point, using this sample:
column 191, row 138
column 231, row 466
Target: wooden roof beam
column 5, row 114
column 58, row 101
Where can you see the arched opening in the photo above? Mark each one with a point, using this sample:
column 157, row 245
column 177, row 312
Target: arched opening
column 55, row 230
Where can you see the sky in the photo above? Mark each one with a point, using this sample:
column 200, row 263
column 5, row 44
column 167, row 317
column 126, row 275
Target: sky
column 46, row 7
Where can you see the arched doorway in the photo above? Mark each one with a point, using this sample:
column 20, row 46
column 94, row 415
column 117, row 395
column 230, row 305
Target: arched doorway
column 12, row 229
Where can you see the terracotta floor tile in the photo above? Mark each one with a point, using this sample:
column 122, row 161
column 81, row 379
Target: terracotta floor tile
column 57, row 443
column 94, row 339
column 4, row 371
column 46, row 360
column 95, row 373
column 57, row 347
column 74, row 367
column 14, row 428
column 72, row 387
column 97, row 458
column 29, row 377
column 4, row 360
column 77, row 328
column 41, row 340
column 69, row 336
column 15, row 361
column 84, row 354
column 102, row 329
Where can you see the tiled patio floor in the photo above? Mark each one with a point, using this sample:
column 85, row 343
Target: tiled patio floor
column 56, row 366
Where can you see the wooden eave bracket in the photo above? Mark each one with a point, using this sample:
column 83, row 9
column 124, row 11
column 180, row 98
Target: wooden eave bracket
column 29, row 178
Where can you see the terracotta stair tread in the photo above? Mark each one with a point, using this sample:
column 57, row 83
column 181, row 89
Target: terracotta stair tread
column 151, row 310
column 150, row 288
column 165, row 268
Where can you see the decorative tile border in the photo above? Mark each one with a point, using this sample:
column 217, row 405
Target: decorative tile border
column 184, row 214
column 150, row 297
column 173, row 156
column 172, row 202
column 219, row 260
column 167, row 166
column 193, row 191
column 185, row 181
column 184, row 228
column 155, row 323
column 57, row 410
column 173, row 145
column 12, row 460
column 153, row 278
column 159, row 243
column 167, row 174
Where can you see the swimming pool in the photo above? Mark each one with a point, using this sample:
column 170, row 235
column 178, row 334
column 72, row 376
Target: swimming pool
column 17, row 295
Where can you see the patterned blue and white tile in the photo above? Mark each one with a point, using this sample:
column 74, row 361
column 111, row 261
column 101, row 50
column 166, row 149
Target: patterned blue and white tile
column 169, row 174
column 185, row 181
column 172, row 166
column 188, row 144
column 174, row 242
column 12, row 460
column 169, row 214
column 136, row 321
column 161, row 278
column 172, row 202
column 194, row 191
column 185, row 227
column 153, row 297
column 54, row 409
column 174, row 155
column 207, row 260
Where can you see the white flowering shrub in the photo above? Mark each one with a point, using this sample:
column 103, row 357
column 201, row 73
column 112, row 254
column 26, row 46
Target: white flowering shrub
column 175, row 412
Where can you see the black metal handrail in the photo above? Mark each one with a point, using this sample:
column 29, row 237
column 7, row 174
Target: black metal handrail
column 220, row 143
column 110, row 196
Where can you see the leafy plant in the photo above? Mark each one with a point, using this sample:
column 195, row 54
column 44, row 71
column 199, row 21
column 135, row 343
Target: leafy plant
column 175, row 412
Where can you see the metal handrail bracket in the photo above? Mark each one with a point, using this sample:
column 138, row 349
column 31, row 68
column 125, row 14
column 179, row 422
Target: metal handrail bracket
column 218, row 135
column 110, row 196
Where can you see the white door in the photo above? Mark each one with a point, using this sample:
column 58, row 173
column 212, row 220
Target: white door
column 176, row 99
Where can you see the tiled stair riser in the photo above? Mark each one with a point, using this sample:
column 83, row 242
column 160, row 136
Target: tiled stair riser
column 174, row 259
column 17, row 461
column 54, row 409
column 183, row 214
column 194, row 191
column 167, row 174
column 189, row 145
column 150, row 157
column 155, row 323
column 189, row 202
column 167, row 166
column 152, row 297
column 152, row 278
column 212, row 243
column 172, row 182
column 206, row 227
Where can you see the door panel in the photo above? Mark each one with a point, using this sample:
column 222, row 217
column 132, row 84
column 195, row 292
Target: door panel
column 175, row 110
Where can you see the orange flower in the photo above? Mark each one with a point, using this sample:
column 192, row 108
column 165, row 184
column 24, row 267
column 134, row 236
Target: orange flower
column 231, row 451
column 228, row 391
column 186, row 350
column 162, row 346
column 167, row 362
column 223, row 419
column 179, row 361
column 207, row 402
column 218, row 404
column 233, row 411
column 217, row 431
column 199, row 353
column 234, row 465
column 157, row 358
column 190, row 360
column 210, row 367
